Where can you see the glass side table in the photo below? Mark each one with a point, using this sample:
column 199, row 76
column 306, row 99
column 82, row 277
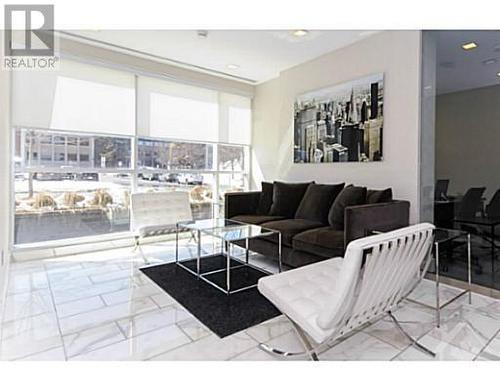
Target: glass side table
column 442, row 236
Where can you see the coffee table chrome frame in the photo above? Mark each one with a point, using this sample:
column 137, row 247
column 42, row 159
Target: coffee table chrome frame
column 224, row 244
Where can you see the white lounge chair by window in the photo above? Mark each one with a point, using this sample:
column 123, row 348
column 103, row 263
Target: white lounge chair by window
column 330, row 299
column 157, row 213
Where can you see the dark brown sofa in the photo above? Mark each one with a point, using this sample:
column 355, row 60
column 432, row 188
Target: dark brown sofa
column 304, row 240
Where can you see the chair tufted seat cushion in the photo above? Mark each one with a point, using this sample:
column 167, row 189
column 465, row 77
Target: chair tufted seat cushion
column 303, row 293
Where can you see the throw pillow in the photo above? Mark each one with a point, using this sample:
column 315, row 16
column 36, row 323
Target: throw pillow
column 317, row 201
column 379, row 196
column 286, row 198
column 349, row 196
column 266, row 198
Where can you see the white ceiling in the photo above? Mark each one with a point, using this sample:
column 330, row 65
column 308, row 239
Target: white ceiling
column 261, row 55
column 459, row 70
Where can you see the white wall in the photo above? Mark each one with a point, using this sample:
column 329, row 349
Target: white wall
column 397, row 55
column 4, row 179
column 468, row 139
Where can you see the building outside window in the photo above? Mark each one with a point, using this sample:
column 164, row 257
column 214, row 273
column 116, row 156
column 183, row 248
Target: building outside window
column 192, row 167
column 76, row 192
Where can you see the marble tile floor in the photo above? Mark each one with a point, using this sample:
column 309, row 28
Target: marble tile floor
column 98, row 306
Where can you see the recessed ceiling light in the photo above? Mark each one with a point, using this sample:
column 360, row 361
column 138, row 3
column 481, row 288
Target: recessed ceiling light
column 469, row 45
column 300, row 33
column 498, row 74
column 490, row 61
column 232, row 66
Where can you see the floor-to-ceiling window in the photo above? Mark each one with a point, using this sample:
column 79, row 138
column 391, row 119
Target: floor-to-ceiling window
column 192, row 139
column 87, row 136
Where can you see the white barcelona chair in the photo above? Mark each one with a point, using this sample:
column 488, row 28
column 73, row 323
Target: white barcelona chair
column 157, row 213
column 328, row 300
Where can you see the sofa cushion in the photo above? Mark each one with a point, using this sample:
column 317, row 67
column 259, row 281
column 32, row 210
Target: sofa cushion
column 349, row 196
column 379, row 196
column 256, row 219
column 317, row 201
column 324, row 241
column 288, row 229
column 266, row 198
column 287, row 197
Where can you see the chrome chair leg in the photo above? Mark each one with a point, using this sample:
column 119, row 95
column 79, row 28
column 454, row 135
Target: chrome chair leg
column 136, row 244
column 309, row 351
column 305, row 342
column 414, row 342
column 137, row 247
column 312, row 352
column 274, row 351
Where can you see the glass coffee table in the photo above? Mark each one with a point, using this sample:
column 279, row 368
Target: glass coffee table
column 223, row 270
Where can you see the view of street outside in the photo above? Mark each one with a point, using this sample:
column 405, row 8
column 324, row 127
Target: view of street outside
column 62, row 189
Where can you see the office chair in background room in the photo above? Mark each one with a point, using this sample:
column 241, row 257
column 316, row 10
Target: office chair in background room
column 468, row 207
column 492, row 210
column 470, row 204
column 441, row 189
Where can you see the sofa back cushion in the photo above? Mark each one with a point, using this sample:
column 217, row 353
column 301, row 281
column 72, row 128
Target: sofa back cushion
column 349, row 196
column 287, row 197
column 379, row 196
column 317, row 201
column 266, row 198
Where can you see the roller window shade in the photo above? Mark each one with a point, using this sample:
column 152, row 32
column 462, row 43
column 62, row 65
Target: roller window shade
column 177, row 111
column 76, row 97
column 236, row 119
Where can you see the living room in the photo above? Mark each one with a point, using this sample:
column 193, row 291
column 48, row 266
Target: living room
column 185, row 192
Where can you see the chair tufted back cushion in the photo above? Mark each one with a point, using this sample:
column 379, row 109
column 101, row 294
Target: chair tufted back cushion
column 366, row 289
column 159, row 208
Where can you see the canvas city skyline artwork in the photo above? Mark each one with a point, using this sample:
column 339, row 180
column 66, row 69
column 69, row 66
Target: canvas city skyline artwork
column 340, row 123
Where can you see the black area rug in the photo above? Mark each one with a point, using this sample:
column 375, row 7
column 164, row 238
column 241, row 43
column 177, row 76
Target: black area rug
column 222, row 314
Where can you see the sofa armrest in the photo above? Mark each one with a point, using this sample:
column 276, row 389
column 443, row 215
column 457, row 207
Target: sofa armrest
column 240, row 203
column 360, row 221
